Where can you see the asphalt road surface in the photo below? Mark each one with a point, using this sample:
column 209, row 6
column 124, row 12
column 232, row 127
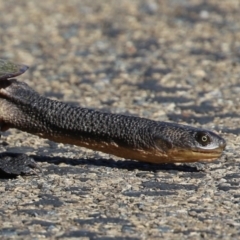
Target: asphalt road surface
column 175, row 61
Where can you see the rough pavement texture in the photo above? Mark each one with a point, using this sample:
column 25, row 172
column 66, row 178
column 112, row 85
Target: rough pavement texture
column 166, row 60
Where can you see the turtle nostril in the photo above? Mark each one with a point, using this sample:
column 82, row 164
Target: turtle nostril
column 222, row 143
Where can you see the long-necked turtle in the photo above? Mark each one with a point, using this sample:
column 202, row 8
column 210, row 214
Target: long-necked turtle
column 125, row 136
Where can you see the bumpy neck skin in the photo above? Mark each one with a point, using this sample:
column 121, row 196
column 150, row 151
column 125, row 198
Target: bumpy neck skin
column 125, row 136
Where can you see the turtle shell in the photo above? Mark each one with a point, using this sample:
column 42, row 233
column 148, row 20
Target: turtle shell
column 10, row 70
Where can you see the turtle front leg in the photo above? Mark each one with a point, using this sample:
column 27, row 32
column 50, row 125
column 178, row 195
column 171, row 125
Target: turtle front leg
column 17, row 163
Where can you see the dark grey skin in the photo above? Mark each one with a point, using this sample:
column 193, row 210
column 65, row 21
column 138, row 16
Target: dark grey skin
column 124, row 136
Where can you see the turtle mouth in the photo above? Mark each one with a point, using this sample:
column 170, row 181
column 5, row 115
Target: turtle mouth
column 198, row 154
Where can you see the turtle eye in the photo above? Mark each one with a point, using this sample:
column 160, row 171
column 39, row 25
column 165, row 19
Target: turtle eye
column 202, row 138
